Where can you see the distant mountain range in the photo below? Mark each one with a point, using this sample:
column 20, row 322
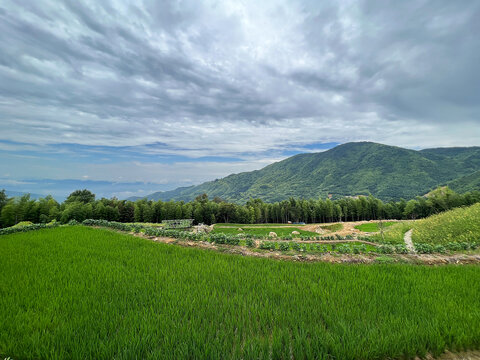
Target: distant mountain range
column 12, row 194
column 350, row 169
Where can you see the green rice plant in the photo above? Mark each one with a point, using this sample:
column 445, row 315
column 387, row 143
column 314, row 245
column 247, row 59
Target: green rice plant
column 78, row 292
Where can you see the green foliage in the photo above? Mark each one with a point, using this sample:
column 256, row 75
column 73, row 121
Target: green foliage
column 268, row 245
column 23, row 223
column 470, row 182
column 27, row 228
column 84, row 196
column 94, row 293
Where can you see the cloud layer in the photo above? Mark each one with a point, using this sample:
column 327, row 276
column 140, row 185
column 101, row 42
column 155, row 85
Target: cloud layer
column 235, row 79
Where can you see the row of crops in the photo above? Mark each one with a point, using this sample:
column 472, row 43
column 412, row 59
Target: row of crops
column 79, row 292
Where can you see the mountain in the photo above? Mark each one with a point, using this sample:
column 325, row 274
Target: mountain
column 13, row 194
column 359, row 168
column 466, row 183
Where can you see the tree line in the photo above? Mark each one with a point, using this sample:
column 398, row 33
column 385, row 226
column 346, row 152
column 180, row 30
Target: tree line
column 82, row 204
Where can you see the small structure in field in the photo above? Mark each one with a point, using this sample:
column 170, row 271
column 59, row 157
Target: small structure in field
column 177, row 224
column 295, row 232
column 272, row 234
column 239, row 229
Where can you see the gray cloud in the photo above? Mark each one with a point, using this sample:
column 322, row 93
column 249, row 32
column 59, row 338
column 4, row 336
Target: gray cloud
column 229, row 77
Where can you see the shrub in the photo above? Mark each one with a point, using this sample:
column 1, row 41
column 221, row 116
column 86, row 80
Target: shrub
column 295, row 246
column 250, row 242
column 401, row 249
column 386, row 249
column 343, row 249
column 359, row 249
column 268, row 245
column 424, row 248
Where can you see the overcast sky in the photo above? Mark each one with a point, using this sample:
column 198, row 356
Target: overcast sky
column 170, row 93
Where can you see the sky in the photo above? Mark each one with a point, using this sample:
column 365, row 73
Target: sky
column 132, row 97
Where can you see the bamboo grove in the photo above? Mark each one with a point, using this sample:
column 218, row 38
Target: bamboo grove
column 81, row 205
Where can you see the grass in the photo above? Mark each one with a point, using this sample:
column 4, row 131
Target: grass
column 458, row 225
column 78, row 292
column 262, row 231
column 333, row 227
column 373, row 226
column 394, row 234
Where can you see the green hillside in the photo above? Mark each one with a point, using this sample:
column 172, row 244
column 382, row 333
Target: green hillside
column 362, row 168
column 466, row 183
column 459, row 225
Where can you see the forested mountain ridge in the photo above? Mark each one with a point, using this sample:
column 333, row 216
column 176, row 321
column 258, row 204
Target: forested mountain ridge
column 350, row 169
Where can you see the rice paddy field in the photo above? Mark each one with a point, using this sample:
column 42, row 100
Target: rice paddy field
column 78, row 292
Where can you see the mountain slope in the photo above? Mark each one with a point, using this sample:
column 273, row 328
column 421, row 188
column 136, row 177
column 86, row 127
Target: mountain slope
column 387, row 172
column 466, row 183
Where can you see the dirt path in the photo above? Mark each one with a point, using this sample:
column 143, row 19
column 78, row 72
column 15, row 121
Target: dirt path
column 407, row 238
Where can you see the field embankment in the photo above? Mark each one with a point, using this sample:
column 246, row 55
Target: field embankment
column 76, row 292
